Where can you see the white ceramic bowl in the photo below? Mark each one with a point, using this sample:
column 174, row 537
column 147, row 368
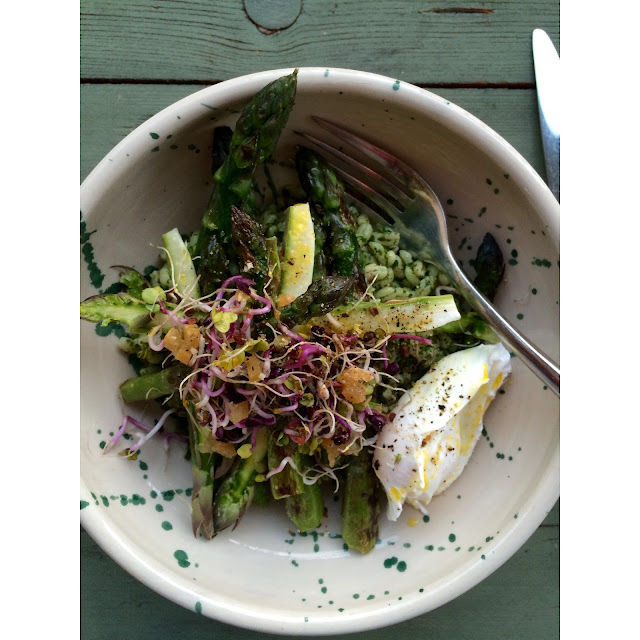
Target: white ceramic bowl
column 262, row 576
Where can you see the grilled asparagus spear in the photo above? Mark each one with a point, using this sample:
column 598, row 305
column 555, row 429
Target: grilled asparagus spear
column 202, row 470
column 320, row 298
column 236, row 491
column 361, row 504
column 306, row 509
column 327, row 196
column 251, row 245
column 489, row 266
column 253, row 142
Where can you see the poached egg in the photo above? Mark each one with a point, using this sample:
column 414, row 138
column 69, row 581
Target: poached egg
column 436, row 426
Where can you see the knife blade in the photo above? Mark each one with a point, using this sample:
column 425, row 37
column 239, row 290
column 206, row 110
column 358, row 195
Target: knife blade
column 547, row 69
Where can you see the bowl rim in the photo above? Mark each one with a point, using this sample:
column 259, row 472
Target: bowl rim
column 140, row 565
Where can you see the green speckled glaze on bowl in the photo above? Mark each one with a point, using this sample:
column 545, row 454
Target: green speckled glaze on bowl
column 138, row 511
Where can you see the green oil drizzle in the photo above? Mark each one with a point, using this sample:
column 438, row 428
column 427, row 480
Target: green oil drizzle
column 167, row 526
column 402, row 566
column 396, row 85
column 83, row 504
column 198, row 608
column 155, row 136
column 452, row 537
column 389, row 562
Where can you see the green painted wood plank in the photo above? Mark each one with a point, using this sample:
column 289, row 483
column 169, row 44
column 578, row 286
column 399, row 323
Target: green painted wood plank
column 553, row 518
column 109, row 112
column 520, row 601
column 419, row 41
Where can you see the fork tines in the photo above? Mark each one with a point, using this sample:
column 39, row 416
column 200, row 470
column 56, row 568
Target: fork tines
column 380, row 186
column 399, row 172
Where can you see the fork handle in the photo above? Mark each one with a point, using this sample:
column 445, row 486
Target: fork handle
column 535, row 359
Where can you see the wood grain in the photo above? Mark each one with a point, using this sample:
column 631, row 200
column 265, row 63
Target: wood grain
column 418, row 41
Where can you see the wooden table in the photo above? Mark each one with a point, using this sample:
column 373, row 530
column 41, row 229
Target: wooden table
column 138, row 57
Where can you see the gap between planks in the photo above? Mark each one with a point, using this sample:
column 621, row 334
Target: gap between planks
column 422, row 85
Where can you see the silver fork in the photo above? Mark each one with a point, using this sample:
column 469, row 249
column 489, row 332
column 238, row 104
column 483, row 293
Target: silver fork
column 412, row 207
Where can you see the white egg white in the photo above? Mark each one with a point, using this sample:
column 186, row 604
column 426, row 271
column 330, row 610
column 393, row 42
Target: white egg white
column 436, row 426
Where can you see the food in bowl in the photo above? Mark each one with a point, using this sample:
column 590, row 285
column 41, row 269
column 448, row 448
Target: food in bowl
column 159, row 178
column 292, row 343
